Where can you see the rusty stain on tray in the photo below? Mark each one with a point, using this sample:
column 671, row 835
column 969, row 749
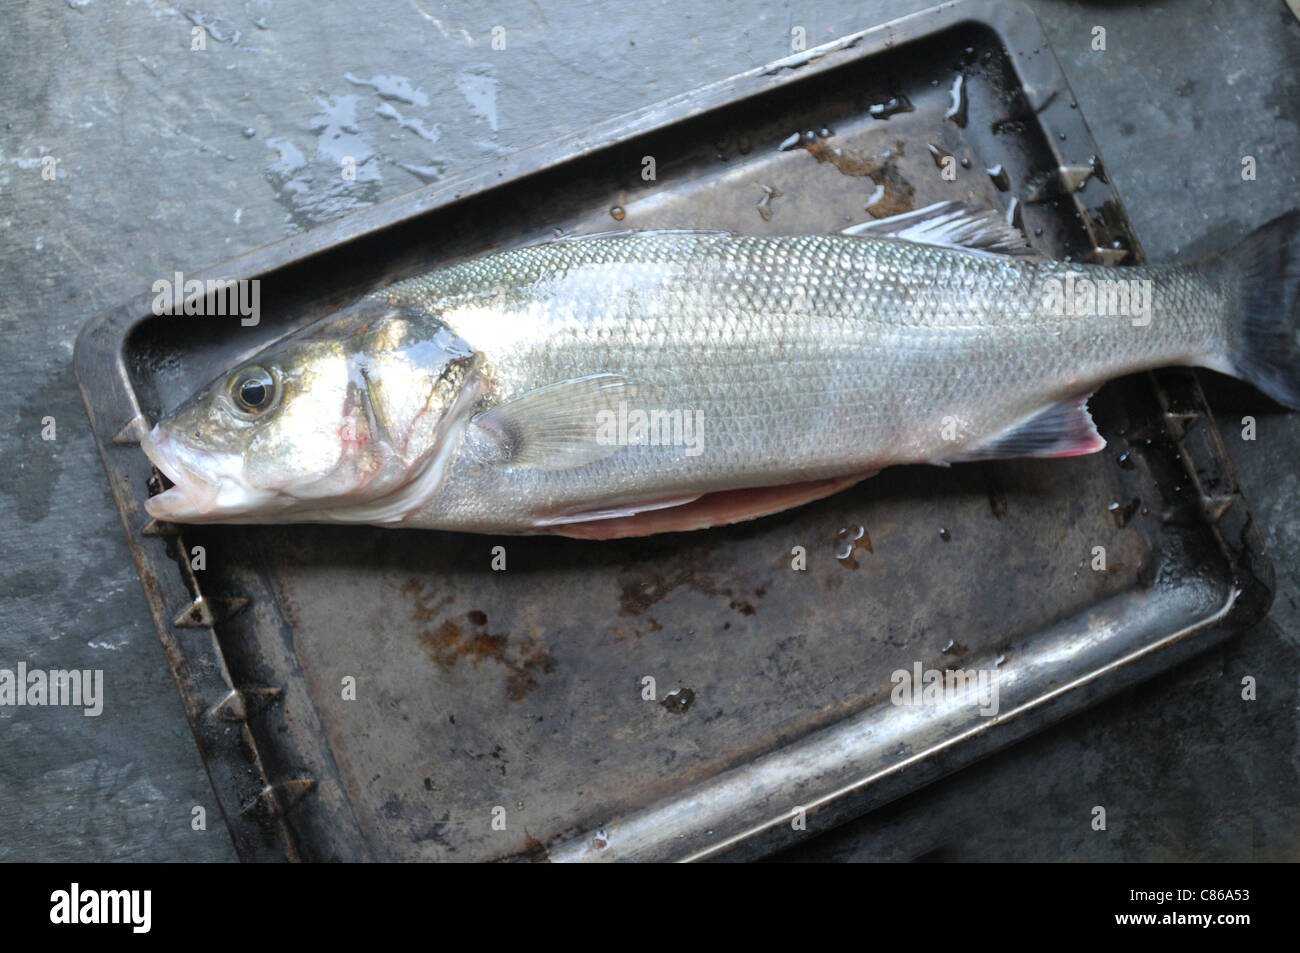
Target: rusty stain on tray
column 447, row 642
column 895, row 193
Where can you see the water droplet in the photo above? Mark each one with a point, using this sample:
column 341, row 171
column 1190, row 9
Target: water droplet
column 847, row 540
column 678, row 700
column 957, row 109
column 765, row 203
column 890, row 107
column 1123, row 512
column 617, row 213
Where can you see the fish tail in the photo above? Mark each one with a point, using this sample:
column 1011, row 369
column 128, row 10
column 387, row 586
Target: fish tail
column 1262, row 278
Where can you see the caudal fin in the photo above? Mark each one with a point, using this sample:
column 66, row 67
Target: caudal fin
column 1262, row 276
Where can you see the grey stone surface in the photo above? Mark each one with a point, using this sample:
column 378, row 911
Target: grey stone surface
column 170, row 159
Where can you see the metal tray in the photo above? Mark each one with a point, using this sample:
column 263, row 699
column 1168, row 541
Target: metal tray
column 503, row 714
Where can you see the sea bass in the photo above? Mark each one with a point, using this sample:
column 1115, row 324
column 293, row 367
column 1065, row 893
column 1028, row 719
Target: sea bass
column 643, row 382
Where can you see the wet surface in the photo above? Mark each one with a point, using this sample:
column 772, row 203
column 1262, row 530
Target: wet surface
column 133, row 773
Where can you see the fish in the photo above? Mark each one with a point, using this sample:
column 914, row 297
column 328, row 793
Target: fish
column 632, row 383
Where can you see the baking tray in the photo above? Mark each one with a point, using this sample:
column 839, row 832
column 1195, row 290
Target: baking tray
column 506, row 715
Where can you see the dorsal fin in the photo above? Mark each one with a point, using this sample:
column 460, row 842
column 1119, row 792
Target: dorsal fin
column 953, row 225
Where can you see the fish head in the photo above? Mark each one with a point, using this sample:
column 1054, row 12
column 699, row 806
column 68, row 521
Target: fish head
column 343, row 421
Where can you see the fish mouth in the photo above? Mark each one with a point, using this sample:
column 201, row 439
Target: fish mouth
column 193, row 495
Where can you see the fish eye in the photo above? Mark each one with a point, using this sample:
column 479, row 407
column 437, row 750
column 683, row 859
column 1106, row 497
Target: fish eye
column 253, row 390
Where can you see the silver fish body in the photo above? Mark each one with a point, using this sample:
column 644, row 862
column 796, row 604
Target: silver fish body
column 613, row 377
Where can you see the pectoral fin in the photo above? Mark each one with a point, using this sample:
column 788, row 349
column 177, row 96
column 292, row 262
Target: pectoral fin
column 566, row 424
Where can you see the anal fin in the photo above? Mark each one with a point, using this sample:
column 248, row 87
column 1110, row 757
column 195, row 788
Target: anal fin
column 1065, row 429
